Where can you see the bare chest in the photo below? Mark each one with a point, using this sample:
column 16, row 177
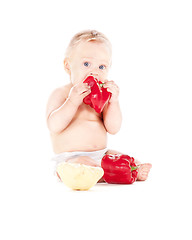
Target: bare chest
column 85, row 112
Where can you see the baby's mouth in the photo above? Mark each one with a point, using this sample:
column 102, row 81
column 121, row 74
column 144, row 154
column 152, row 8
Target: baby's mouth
column 93, row 75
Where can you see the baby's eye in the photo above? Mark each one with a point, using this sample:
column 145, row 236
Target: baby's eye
column 86, row 64
column 102, row 67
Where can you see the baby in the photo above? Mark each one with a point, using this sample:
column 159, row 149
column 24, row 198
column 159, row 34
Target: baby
column 78, row 132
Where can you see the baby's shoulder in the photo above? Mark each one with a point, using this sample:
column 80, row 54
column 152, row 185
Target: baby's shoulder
column 61, row 92
column 57, row 97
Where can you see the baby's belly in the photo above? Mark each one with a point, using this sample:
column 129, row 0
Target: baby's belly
column 81, row 136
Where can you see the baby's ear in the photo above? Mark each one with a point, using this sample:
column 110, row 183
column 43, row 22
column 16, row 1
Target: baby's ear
column 67, row 66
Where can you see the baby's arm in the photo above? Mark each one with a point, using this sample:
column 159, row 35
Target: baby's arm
column 112, row 116
column 61, row 108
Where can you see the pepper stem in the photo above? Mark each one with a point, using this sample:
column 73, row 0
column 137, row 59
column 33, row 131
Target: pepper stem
column 101, row 84
column 134, row 168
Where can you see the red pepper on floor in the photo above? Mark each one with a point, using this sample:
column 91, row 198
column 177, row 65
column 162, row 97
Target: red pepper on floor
column 98, row 96
column 119, row 169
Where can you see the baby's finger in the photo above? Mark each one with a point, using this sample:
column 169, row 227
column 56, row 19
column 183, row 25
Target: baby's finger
column 110, row 90
column 112, row 87
column 83, row 88
column 109, row 83
column 86, row 93
column 105, row 81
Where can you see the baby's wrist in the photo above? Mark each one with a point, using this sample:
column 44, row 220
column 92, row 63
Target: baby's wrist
column 72, row 102
column 114, row 100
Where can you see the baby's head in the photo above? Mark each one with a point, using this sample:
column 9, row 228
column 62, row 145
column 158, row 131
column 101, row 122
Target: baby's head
column 89, row 53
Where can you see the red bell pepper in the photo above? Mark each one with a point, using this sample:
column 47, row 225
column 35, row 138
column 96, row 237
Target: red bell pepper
column 119, row 168
column 99, row 96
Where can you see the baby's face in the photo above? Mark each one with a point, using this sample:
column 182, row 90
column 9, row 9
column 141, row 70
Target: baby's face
column 90, row 58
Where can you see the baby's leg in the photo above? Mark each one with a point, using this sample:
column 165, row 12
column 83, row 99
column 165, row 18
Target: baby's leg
column 143, row 169
column 84, row 160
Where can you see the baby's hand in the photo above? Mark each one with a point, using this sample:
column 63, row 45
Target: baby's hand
column 112, row 88
column 78, row 92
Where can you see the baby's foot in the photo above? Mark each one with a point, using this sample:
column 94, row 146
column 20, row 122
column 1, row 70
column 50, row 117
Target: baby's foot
column 143, row 171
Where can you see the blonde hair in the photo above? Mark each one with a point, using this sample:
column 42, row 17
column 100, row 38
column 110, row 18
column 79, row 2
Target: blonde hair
column 87, row 35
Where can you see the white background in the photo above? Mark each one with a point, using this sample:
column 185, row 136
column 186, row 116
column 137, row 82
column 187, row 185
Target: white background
column 152, row 64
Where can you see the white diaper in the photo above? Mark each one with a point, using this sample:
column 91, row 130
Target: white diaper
column 95, row 155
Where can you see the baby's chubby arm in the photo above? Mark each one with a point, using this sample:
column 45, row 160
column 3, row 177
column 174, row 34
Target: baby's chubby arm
column 62, row 106
column 112, row 116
